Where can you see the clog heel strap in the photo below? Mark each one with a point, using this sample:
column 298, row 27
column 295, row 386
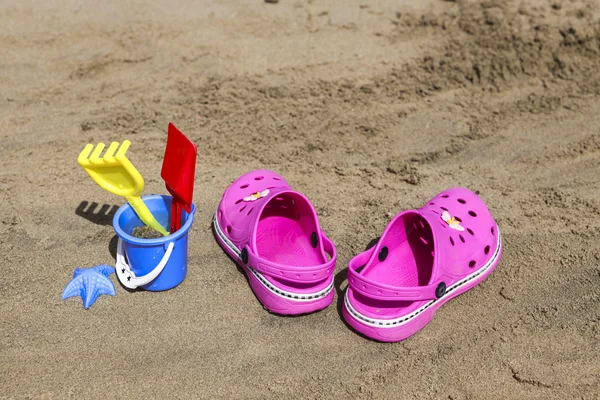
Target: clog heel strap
column 380, row 291
column 297, row 274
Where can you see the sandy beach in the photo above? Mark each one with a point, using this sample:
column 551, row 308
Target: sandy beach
column 368, row 108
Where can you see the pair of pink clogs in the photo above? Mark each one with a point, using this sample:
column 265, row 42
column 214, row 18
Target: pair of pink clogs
column 424, row 257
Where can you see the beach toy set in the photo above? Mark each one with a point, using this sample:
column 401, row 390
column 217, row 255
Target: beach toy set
column 423, row 259
column 154, row 264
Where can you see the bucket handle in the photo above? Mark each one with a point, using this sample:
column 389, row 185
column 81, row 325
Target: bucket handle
column 127, row 276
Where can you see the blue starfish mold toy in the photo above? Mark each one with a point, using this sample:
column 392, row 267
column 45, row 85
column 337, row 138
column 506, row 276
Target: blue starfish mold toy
column 90, row 283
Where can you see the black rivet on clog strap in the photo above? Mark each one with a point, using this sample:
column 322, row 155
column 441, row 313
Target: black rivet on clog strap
column 244, row 255
column 440, row 290
column 314, row 240
column 383, row 253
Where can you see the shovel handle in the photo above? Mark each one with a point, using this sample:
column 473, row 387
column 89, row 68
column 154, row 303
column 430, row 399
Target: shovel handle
column 175, row 216
column 145, row 215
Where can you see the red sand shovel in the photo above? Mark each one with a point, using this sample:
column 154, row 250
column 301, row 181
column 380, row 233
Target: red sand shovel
column 179, row 166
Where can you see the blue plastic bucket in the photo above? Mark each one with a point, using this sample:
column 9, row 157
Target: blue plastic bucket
column 152, row 264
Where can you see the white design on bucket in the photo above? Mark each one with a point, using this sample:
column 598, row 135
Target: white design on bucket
column 127, row 276
column 300, row 297
column 257, row 195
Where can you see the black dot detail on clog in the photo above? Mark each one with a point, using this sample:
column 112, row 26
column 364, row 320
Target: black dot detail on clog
column 314, row 240
column 244, row 255
column 383, row 253
column 440, row 290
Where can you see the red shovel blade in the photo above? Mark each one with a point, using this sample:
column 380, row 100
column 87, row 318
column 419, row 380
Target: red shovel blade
column 178, row 170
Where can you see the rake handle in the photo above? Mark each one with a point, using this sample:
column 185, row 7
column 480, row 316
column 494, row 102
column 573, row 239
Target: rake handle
column 145, row 215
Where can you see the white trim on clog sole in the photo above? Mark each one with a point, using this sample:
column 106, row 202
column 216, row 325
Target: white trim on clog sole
column 299, row 297
column 394, row 323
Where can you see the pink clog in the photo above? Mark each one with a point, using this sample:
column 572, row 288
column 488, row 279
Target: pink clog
column 273, row 233
column 424, row 258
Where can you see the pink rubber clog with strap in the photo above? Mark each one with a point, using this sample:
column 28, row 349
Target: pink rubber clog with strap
column 273, row 233
column 424, row 258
